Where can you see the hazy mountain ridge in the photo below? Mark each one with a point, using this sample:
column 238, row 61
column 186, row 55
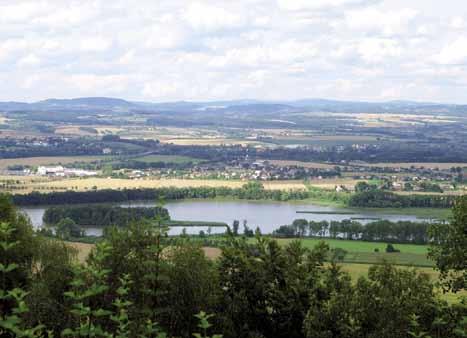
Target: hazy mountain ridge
column 99, row 104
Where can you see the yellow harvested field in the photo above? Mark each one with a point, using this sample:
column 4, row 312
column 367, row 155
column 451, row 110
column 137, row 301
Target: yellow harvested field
column 47, row 160
column 302, row 164
column 391, row 120
column 208, row 141
column 83, row 249
column 212, row 253
column 430, row 165
column 446, row 192
column 350, row 138
column 116, row 183
column 72, row 130
column 332, row 183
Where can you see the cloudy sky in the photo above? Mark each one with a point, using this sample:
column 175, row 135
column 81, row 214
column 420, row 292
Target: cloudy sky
column 163, row 50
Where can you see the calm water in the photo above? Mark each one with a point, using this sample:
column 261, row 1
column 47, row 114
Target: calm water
column 268, row 216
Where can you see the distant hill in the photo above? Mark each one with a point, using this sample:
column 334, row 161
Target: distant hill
column 105, row 104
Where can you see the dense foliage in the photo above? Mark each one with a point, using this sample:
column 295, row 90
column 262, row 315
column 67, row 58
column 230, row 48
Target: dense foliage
column 450, row 247
column 250, row 191
column 101, row 215
column 381, row 230
column 386, row 199
column 133, row 285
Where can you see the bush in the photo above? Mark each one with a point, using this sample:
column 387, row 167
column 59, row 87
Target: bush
column 390, row 248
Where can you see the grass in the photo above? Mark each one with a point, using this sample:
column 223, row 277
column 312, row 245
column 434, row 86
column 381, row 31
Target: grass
column 364, row 252
column 358, row 246
column 175, row 223
column 361, row 270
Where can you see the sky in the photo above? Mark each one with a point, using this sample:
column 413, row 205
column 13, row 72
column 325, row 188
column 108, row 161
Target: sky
column 168, row 50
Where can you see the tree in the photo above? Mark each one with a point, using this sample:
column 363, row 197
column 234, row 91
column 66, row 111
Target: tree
column 363, row 186
column 67, row 228
column 449, row 248
column 235, row 227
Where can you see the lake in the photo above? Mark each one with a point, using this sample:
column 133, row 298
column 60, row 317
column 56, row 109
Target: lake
column 268, row 216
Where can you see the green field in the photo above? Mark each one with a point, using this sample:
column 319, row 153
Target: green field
column 361, row 270
column 364, row 252
column 175, row 223
column 167, row 159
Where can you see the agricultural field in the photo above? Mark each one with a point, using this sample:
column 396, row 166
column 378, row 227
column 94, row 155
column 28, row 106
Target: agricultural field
column 364, row 252
column 48, row 160
column 210, row 141
column 167, row 159
column 82, row 184
column 330, row 184
column 314, row 165
column 430, row 165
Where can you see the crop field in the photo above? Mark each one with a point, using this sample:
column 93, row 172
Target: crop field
column 330, row 184
column 114, row 183
column 430, row 165
column 47, row 160
column 325, row 140
column 315, row 165
column 389, row 120
column 72, row 130
column 210, row 141
column 167, row 159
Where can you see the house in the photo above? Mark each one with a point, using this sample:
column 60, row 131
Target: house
column 43, row 171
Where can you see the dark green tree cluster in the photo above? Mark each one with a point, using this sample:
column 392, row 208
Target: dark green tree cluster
column 250, row 191
column 101, row 215
column 387, row 199
column 381, row 230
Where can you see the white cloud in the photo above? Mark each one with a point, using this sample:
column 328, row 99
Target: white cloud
column 375, row 50
column 29, row 60
column 157, row 90
column 21, row 11
column 454, row 52
column 458, row 22
column 90, row 83
column 297, row 5
column 207, row 17
column 374, row 19
column 95, row 44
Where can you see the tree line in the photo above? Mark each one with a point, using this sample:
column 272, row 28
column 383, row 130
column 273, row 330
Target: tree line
column 376, row 231
column 133, row 285
column 250, row 191
column 387, row 199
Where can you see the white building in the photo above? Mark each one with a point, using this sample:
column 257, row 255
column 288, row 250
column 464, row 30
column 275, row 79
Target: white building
column 62, row 172
column 49, row 170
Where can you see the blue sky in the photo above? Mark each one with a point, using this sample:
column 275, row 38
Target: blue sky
column 168, row 50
